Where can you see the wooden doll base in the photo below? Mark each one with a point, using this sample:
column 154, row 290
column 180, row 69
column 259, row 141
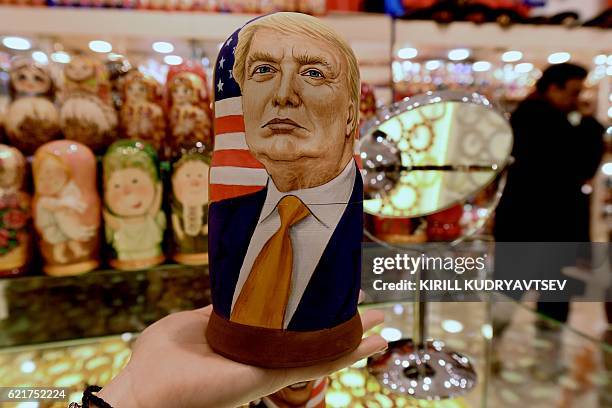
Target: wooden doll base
column 191, row 259
column 137, row 264
column 274, row 348
column 72, row 269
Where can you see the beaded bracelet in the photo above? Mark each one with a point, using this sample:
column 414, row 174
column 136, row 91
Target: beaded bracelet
column 89, row 397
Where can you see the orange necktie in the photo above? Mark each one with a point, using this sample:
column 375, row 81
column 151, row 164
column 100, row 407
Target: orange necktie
column 263, row 299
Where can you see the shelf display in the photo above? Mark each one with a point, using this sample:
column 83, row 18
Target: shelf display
column 190, row 116
column 110, row 301
column 15, row 213
column 31, row 119
column 66, row 207
column 151, row 241
column 585, row 381
column 87, row 114
column 134, row 220
column 189, row 205
column 142, row 115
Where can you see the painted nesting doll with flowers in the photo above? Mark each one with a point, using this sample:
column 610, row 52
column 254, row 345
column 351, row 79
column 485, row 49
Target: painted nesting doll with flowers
column 142, row 114
column 87, row 114
column 14, row 213
column 32, row 118
column 134, row 220
column 190, row 117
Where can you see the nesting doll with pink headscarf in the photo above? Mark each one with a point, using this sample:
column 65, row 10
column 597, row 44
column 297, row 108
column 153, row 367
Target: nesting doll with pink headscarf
column 142, row 115
column 190, row 117
column 66, row 207
column 87, row 114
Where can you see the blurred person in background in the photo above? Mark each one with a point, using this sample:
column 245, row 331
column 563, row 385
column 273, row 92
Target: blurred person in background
column 558, row 146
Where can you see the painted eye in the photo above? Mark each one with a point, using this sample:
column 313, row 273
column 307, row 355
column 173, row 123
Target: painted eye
column 22, row 77
column 188, row 175
column 38, row 78
column 313, row 73
column 134, row 181
column 116, row 186
column 264, row 69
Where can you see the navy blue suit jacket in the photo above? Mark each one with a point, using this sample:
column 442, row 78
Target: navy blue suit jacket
column 332, row 292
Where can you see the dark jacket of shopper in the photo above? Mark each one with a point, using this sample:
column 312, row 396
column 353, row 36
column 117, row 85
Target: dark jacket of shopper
column 543, row 200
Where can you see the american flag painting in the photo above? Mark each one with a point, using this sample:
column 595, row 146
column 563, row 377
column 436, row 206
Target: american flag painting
column 234, row 171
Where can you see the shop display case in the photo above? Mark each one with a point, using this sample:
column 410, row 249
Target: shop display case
column 70, row 331
column 552, row 367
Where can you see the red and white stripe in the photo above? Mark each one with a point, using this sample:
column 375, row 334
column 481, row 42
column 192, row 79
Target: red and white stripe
column 317, row 396
column 234, row 171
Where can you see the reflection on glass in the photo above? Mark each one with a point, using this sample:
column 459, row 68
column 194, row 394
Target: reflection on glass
column 426, row 157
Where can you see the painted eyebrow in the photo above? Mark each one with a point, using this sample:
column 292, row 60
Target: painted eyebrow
column 260, row 56
column 305, row 59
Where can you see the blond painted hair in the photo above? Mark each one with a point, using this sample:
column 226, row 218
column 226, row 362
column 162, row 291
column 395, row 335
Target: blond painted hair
column 297, row 23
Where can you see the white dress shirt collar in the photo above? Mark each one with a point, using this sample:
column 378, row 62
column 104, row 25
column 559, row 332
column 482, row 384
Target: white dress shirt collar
column 317, row 199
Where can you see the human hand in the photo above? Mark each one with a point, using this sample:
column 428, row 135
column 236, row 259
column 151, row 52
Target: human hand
column 173, row 365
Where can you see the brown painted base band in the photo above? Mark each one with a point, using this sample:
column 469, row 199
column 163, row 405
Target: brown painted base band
column 71, row 269
column 273, row 348
column 136, row 264
column 191, row 259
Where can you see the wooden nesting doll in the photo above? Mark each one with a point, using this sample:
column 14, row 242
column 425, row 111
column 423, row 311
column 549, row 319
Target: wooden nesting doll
column 190, row 205
column 14, row 213
column 190, row 118
column 142, row 114
column 87, row 114
column 367, row 104
column 66, row 207
column 134, row 220
column 286, row 213
column 306, row 394
column 31, row 119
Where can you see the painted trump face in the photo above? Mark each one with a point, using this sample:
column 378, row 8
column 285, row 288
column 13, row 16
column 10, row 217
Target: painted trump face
column 297, row 109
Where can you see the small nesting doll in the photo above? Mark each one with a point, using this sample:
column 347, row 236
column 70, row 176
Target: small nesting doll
column 31, row 119
column 190, row 205
column 189, row 103
column 14, row 213
column 66, row 207
column 87, row 115
column 367, row 103
column 142, row 116
column 134, row 220
column 306, row 394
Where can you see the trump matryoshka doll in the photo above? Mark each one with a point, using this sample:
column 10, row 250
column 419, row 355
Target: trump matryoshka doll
column 285, row 219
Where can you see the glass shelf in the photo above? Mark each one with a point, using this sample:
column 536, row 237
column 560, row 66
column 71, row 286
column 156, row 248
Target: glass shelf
column 518, row 365
column 40, row 309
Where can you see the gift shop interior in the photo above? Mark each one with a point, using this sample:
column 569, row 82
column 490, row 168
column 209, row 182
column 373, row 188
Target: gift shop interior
column 107, row 120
